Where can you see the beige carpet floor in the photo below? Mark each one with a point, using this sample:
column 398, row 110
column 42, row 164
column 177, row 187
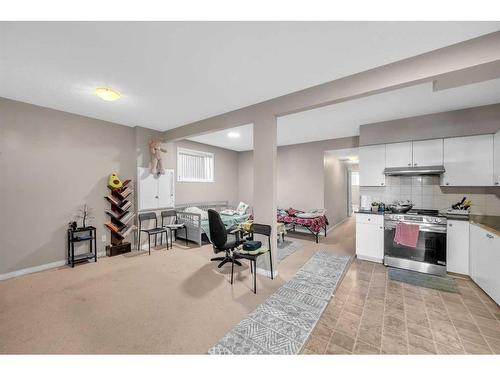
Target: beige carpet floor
column 174, row 301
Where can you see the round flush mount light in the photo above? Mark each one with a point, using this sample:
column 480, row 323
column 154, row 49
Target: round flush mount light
column 353, row 158
column 233, row 135
column 107, row 94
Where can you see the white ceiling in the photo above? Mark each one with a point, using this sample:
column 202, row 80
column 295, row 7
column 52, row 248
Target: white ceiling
column 343, row 119
column 173, row 73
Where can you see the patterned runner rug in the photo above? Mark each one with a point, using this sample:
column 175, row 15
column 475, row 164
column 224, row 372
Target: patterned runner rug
column 282, row 324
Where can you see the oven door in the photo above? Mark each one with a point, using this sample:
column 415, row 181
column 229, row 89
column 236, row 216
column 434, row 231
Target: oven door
column 430, row 249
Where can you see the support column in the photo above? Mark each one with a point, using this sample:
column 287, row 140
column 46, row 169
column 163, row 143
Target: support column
column 265, row 184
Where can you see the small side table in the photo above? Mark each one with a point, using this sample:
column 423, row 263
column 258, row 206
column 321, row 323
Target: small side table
column 81, row 235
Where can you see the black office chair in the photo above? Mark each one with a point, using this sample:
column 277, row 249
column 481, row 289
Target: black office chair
column 172, row 226
column 151, row 231
column 220, row 240
column 256, row 229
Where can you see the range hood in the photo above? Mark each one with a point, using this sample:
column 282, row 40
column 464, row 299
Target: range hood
column 414, row 171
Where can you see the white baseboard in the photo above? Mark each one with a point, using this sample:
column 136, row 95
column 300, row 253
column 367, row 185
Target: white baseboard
column 262, row 271
column 42, row 267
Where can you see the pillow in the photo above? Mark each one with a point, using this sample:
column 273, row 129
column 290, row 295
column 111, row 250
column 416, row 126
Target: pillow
column 242, row 208
column 228, row 212
column 308, row 215
column 197, row 210
column 292, row 211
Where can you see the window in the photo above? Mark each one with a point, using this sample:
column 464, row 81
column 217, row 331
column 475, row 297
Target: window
column 355, row 178
column 194, row 166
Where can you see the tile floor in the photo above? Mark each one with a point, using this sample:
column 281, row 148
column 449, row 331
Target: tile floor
column 371, row 314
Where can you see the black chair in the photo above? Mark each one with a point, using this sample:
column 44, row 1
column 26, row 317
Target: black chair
column 172, row 226
column 220, row 240
column 151, row 231
column 264, row 230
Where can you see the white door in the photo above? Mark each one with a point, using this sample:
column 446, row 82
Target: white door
column 457, row 247
column 496, row 162
column 468, row 161
column 147, row 190
column 398, row 155
column 166, row 189
column 371, row 165
column 428, row 153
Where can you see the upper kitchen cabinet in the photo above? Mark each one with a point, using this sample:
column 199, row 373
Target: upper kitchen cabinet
column 371, row 165
column 398, row 155
column 468, row 161
column 428, row 153
column 496, row 161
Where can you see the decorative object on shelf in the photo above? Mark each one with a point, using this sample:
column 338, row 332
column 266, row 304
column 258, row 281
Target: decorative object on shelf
column 79, row 235
column 114, row 182
column 121, row 224
column 72, row 225
column 84, row 213
column 156, row 164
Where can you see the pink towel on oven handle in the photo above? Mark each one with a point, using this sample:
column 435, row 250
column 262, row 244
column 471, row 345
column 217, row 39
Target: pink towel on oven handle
column 406, row 234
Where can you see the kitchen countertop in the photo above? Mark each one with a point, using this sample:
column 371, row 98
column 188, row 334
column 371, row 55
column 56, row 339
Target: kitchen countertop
column 490, row 223
column 369, row 212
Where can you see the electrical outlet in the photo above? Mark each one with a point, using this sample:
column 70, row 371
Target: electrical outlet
column 103, row 238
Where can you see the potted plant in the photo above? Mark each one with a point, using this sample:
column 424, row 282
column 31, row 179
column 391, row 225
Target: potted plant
column 374, row 206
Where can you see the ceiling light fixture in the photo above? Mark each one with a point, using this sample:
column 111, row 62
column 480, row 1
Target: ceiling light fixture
column 233, row 135
column 107, row 94
column 353, row 158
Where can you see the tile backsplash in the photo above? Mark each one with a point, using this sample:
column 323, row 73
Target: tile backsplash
column 425, row 192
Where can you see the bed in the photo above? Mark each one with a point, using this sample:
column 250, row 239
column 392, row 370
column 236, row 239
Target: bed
column 197, row 223
column 314, row 221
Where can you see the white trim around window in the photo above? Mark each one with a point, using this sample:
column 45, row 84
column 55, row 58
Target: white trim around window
column 194, row 166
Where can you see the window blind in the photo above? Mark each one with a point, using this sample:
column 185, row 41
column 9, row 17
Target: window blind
column 194, row 166
column 355, row 178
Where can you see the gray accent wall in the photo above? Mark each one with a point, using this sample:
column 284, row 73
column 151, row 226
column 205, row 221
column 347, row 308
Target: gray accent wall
column 335, row 189
column 464, row 122
column 52, row 162
column 301, row 175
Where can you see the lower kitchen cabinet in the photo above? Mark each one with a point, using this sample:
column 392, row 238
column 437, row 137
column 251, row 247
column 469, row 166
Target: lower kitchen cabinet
column 370, row 237
column 457, row 246
column 485, row 260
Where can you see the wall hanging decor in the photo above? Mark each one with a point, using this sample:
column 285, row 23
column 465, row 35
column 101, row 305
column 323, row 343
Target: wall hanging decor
column 156, row 164
column 121, row 218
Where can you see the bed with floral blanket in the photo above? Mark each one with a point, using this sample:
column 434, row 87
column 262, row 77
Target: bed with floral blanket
column 314, row 221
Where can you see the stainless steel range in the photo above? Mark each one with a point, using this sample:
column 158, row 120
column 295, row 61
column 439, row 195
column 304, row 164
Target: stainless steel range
column 429, row 255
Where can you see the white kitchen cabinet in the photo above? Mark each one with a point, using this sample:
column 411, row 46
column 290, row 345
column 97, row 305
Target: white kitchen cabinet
column 428, row 153
column 370, row 237
column 457, row 246
column 485, row 260
column 398, row 154
column 155, row 191
column 468, row 161
column 372, row 165
column 496, row 161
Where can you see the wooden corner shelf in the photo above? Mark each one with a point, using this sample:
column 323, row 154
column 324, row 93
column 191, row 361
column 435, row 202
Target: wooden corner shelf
column 121, row 219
